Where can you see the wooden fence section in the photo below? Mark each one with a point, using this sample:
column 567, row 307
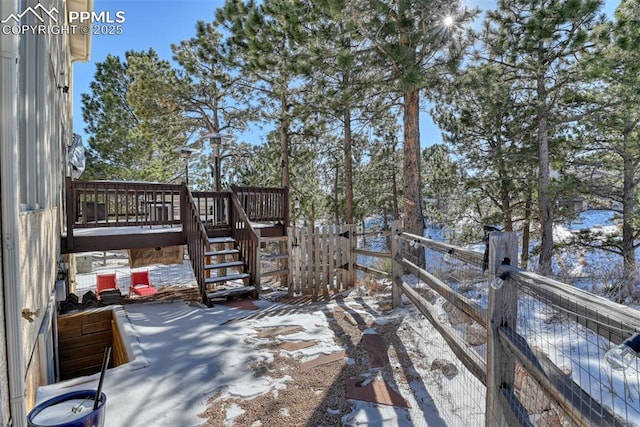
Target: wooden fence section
column 584, row 396
column 322, row 260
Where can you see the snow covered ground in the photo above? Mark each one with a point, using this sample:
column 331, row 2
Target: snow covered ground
column 184, row 354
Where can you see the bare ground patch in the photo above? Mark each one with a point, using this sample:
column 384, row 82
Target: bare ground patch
column 312, row 398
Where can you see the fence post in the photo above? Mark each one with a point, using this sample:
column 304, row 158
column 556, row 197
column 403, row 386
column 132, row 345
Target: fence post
column 396, row 269
column 502, row 311
column 352, row 258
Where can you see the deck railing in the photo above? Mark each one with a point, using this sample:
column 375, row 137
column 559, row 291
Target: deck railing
column 196, row 236
column 93, row 204
column 264, row 204
column 117, row 204
column 247, row 238
column 213, row 207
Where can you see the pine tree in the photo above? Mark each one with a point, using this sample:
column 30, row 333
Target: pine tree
column 541, row 42
column 261, row 49
column 610, row 163
column 123, row 145
column 415, row 42
column 489, row 133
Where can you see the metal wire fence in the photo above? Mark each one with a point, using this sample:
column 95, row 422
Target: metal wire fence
column 90, row 264
column 458, row 271
column 549, row 325
column 555, row 371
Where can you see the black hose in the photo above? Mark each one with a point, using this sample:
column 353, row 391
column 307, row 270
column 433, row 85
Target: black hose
column 105, row 363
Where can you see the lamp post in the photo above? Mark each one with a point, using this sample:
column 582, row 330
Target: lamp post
column 185, row 153
column 215, row 140
column 296, row 211
column 217, row 152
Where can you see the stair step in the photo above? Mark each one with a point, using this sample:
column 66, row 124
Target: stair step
column 281, row 272
column 224, row 265
column 230, row 277
column 274, row 256
column 222, row 252
column 223, row 294
column 216, row 240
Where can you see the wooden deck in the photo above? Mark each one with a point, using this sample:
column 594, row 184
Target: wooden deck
column 104, row 215
column 110, row 215
column 115, row 238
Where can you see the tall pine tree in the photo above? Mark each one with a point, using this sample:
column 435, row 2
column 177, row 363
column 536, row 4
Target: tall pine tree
column 541, row 42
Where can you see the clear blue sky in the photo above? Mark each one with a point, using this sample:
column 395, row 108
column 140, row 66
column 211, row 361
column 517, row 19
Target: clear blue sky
column 159, row 23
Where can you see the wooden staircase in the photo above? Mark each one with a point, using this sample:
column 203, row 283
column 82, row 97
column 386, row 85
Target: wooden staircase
column 226, row 275
column 226, row 250
column 221, row 284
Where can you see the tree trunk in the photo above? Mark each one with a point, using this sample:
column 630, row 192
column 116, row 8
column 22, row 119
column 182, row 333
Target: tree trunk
column 394, row 181
column 284, row 141
column 411, row 197
column 544, row 196
column 312, row 216
column 628, row 207
column 507, row 213
column 526, row 232
column 336, row 192
column 348, row 170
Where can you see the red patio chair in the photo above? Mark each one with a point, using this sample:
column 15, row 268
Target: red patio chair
column 106, row 282
column 141, row 285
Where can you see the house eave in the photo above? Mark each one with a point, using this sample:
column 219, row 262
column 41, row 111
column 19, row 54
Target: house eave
column 79, row 43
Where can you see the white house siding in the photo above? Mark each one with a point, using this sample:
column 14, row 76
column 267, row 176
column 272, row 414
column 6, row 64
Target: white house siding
column 4, row 381
column 44, row 129
column 7, row 140
column 39, row 253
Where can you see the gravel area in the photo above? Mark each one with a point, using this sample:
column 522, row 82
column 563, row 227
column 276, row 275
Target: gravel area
column 312, row 398
column 309, row 398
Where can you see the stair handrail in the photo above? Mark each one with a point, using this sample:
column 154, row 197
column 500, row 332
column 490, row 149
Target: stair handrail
column 196, row 237
column 247, row 238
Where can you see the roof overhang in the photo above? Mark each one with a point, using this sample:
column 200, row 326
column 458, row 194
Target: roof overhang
column 79, row 44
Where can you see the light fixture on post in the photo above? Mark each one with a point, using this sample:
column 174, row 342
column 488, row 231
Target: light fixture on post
column 448, row 256
column 498, row 281
column 217, row 152
column 399, row 232
column 624, row 354
column 296, row 211
column 185, row 153
column 215, row 141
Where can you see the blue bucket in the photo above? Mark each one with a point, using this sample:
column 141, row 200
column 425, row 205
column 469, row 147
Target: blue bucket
column 73, row 409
